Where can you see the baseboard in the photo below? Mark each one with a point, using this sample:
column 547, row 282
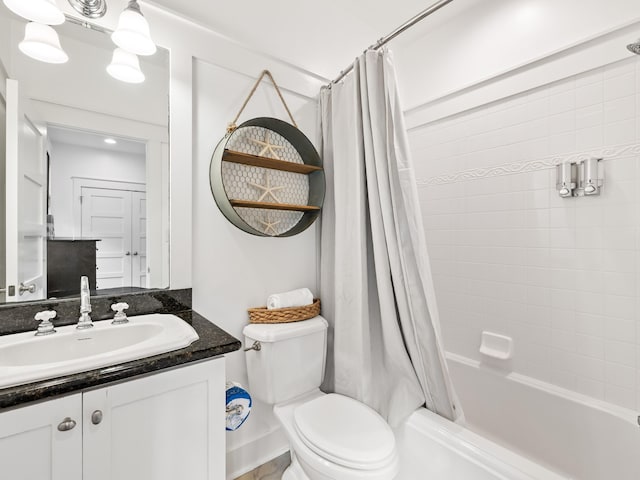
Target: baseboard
column 259, row 451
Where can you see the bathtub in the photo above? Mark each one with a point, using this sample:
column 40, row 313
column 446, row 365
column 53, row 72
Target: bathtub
column 433, row 448
column 577, row 436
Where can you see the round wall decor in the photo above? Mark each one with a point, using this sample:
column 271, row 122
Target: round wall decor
column 267, row 178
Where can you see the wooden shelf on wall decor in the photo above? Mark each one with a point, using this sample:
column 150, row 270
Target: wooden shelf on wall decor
column 264, row 162
column 274, row 206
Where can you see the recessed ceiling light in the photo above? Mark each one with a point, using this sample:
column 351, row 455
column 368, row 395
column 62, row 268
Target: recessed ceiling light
column 110, row 141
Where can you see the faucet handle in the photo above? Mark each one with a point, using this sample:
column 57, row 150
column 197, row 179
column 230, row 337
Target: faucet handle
column 120, row 316
column 44, row 317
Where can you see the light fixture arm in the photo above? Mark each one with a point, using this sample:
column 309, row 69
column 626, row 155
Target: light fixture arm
column 135, row 6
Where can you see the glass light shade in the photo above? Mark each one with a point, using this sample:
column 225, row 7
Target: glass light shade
column 132, row 33
column 40, row 11
column 41, row 42
column 125, row 67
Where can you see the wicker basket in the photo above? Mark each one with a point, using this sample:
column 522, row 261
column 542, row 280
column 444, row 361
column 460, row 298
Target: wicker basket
column 284, row 315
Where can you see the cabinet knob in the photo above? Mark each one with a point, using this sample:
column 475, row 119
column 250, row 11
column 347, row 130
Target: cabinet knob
column 66, row 425
column 96, row 417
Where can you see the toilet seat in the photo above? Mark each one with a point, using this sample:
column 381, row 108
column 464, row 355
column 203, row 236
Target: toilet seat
column 345, row 432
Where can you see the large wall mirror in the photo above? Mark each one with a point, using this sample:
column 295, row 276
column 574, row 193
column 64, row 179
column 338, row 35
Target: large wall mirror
column 84, row 169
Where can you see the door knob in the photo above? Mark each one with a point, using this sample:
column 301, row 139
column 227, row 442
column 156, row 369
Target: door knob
column 31, row 288
column 135, row 254
column 66, row 425
column 96, row 417
column 128, row 253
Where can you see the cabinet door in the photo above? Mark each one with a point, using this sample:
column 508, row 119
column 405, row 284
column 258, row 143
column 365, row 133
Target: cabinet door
column 162, row 427
column 33, row 448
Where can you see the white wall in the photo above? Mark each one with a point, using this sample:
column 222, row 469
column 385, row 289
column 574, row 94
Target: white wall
column 509, row 255
column 233, row 270
column 68, row 161
column 492, row 38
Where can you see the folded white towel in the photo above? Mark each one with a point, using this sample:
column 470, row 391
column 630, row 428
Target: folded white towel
column 294, row 298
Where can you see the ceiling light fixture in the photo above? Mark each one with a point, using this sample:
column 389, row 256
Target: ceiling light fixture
column 40, row 11
column 110, row 141
column 125, row 67
column 132, row 33
column 41, row 42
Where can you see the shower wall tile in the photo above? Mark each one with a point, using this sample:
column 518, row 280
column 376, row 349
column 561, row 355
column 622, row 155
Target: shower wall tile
column 560, row 276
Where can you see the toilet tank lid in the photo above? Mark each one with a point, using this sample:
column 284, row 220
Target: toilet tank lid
column 274, row 332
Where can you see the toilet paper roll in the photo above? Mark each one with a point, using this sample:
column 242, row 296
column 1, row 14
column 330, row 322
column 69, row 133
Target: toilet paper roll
column 238, row 405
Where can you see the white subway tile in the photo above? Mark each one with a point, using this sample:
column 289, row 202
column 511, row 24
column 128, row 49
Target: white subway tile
column 562, row 143
column 618, row 283
column 590, row 387
column 565, row 122
column 620, row 375
column 590, row 346
column 623, row 330
column 591, row 116
column 588, row 138
column 589, row 95
column 561, row 276
column 619, row 133
column 625, row 397
column 620, row 109
column 561, row 102
column 620, row 86
column 621, row 352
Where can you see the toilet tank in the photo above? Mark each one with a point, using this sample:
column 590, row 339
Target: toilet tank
column 291, row 359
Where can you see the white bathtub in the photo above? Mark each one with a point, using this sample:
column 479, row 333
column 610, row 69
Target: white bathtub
column 580, row 437
column 432, row 448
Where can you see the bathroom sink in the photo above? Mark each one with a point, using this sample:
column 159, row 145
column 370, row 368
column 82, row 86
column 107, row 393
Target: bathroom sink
column 26, row 358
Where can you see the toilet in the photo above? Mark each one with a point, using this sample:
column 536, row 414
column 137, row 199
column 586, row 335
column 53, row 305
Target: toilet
column 331, row 436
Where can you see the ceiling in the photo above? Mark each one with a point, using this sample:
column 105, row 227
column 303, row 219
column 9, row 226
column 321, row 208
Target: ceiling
column 320, row 37
column 86, row 139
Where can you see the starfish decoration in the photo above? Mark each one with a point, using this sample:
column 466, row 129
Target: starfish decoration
column 267, row 189
column 267, row 146
column 269, row 225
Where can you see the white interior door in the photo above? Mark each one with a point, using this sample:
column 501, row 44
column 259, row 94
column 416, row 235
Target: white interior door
column 118, row 219
column 106, row 215
column 25, row 208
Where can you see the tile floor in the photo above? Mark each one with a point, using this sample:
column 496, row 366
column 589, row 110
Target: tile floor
column 269, row 471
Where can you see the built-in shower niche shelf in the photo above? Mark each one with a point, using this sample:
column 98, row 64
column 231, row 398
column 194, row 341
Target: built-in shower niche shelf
column 265, row 162
column 274, row 206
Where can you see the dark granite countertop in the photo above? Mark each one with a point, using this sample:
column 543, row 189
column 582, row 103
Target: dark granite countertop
column 213, row 341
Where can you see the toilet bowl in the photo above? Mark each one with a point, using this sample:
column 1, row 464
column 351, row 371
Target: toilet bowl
column 336, row 437
column 332, row 437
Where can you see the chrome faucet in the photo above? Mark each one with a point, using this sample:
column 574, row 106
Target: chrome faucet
column 85, row 305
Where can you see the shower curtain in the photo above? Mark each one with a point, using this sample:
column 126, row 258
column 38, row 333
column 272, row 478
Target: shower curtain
column 375, row 280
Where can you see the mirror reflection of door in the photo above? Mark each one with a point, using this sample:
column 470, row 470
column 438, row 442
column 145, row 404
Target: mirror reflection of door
column 116, row 217
column 25, row 171
column 97, row 198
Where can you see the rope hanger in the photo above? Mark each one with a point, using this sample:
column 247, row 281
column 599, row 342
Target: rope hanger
column 232, row 126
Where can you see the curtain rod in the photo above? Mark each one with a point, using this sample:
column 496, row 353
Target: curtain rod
column 405, row 26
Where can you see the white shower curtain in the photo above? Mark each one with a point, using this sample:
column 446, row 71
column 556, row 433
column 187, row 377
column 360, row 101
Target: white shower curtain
column 375, row 278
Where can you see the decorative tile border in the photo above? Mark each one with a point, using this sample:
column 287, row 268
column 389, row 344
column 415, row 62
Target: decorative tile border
column 607, row 153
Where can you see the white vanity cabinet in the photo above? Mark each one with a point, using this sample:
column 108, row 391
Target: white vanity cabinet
column 162, row 426
column 32, row 447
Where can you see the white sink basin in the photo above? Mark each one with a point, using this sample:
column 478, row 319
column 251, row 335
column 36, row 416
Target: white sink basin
column 26, row 358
